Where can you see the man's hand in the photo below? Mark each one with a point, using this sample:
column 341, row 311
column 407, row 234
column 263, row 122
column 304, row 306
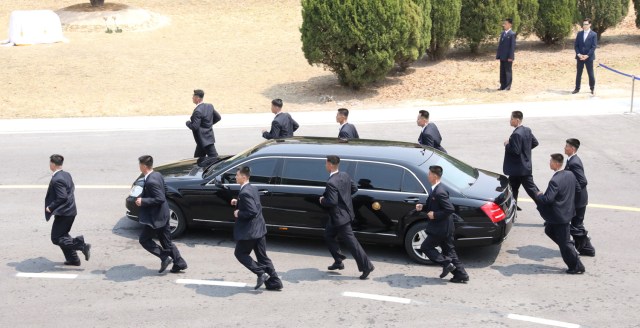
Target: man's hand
column 263, row 130
column 430, row 215
column 234, row 202
column 139, row 201
column 320, row 199
column 418, row 207
column 510, row 60
column 188, row 123
column 47, row 209
column 506, row 142
column 539, row 193
column 235, row 213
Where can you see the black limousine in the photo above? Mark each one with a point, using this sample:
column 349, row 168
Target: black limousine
column 290, row 176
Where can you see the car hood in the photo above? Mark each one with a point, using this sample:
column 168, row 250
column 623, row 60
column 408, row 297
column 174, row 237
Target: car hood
column 489, row 186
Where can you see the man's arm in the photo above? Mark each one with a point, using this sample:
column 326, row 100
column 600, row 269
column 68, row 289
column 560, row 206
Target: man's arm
column 512, row 47
column 156, row 193
column 534, row 141
column 514, row 144
column 594, row 44
column 216, row 116
column 248, row 208
column 196, row 118
column 330, row 196
column 446, row 208
column 549, row 196
column 60, row 190
column 275, row 131
column 294, row 124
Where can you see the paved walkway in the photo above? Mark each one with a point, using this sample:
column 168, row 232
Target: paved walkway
column 581, row 107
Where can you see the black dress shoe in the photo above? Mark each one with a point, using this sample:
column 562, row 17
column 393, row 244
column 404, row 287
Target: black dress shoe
column 336, row 266
column 72, row 263
column 366, row 273
column 448, row 268
column 261, row 279
column 164, row 264
column 86, row 250
column 575, row 91
column 588, row 254
column 518, row 208
column 575, row 271
column 591, row 91
column 459, row 280
column 177, row 269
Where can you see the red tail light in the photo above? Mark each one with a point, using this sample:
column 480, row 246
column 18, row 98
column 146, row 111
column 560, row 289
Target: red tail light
column 494, row 212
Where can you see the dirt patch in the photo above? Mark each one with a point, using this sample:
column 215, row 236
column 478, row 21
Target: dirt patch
column 87, row 7
column 244, row 53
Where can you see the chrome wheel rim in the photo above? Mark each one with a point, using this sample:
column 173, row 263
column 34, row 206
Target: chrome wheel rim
column 416, row 242
column 173, row 220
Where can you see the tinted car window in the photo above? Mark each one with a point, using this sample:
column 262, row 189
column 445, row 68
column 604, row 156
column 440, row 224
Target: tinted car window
column 411, row 184
column 454, row 172
column 262, row 171
column 304, row 172
column 376, row 176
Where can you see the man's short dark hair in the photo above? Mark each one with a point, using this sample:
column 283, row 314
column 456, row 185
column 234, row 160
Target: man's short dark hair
column 277, row 102
column 509, row 20
column 587, row 19
column 575, row 143
column 198, row 93
column 344, row 112
column 146, row 160
column 558, row 158
column 437, row 170
column 517, row 115
column 245, row 170
column 333, row 159
column 424, row 114
column 56, row 159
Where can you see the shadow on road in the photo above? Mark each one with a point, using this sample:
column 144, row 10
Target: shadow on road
column 127, row 272
column 222, row 291
column 41, row 264
column 535, row 252
column 526, row 269
column 401, row 280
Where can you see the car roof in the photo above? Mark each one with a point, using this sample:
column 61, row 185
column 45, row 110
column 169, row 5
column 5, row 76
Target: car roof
column 368, row 149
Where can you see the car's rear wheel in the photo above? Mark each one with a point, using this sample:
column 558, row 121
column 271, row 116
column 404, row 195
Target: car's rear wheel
column 177, row 222
column 413, row 239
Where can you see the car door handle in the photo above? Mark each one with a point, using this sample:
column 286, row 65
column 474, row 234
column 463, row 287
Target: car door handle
column 411, row 200
column 263, row 192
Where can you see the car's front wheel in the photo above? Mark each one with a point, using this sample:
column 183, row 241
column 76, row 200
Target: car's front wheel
column 413, row 239
column 177, row 222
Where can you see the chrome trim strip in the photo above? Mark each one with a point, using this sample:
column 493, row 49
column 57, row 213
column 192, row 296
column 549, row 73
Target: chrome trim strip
column 474, row 238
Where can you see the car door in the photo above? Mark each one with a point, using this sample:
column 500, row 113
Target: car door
column 387, row 192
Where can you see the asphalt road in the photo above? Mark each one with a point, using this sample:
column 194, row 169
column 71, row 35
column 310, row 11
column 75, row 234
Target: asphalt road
column 512, row 285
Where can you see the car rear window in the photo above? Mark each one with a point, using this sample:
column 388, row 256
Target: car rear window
column 454, row 172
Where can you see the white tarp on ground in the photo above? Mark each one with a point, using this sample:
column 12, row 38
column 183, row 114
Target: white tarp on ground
column 33, row 27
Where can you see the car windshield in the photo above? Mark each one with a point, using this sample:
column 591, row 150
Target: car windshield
column 229, row 161
column 455, row 173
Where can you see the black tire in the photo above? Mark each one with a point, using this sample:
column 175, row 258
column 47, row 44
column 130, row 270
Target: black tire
column 412, row 241
column 176, row 220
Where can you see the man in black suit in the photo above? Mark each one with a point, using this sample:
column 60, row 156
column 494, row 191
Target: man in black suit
column 250, row 229
column 429, row 135
column 283, row 125
column 585, row 46
column 347, row 130
column 440, row 229
column 154, row 215
column 517, row 157
column 203, row 118
column 577, row 229
column 557, row 207
column 506, row 54
column 60, row 202
column 337, row 199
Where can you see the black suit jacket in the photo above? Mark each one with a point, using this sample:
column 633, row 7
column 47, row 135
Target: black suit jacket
column 574, row 165
column 250, row 222
column 337, row 198
column 557, row 204
column 587, row 47
column 517, row 153
column 439, row 203
column 348, row 131
column 507, row 46
column 203, row 118
column 430, row 137
column 154, row 210
column 60, row 197
column 282, row 126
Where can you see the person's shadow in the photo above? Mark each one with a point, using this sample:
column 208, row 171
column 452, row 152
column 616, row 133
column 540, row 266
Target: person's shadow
column 400, row 280
column 126, row 272
column 526, row 269
column 296, row 276
column 535, row 252
column 41, row 264
column 222, row 291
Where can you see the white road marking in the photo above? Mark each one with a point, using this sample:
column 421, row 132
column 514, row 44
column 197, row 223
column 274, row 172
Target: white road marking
column 77, row 187
column 211, row 282
column 609, row 207
column 542, row 321
column 47, row 275
column 377, row 297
